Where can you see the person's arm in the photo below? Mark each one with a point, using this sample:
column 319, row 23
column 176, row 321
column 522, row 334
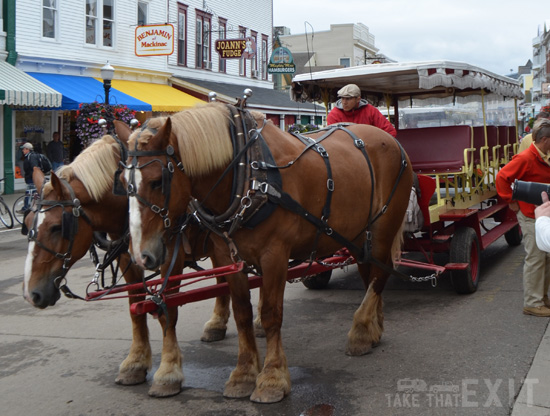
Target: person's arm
column 380, row 121
column 542, row 224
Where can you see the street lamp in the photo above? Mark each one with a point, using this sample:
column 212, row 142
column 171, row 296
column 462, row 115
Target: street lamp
column 107, row 73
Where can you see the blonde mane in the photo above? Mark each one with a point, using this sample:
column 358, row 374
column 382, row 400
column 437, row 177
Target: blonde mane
column 95, row 167
column 202, row 134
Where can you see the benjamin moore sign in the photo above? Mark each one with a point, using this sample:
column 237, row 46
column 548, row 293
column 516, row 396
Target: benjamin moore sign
column 281, row 62
column 152, row 40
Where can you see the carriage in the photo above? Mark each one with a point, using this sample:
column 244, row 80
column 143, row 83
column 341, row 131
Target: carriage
column 456, row 156
column 276, row 207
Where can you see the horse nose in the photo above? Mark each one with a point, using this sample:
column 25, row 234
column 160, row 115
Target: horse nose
column 42, row 299
column 150, row 261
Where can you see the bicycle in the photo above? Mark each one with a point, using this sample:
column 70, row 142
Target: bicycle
column 19, row 203
column 5, row 214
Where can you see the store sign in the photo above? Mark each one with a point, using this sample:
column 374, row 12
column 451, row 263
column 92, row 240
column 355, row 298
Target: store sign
column 154, row 40
column 545, row 88
column 236, row 48
column 281, row 62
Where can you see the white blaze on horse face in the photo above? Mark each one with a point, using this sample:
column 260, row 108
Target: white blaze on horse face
column 30, row 259
column 135, row 217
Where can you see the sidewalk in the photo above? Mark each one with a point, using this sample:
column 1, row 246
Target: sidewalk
column 534, row 397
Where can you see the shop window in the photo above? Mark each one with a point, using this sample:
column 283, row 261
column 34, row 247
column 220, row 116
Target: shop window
column 222, row 34
column 203, row 40
column 143, row 13
column 265, row 52
column 49, row 18
column 242, row 61
column 100, row 22
column 182, row 34
column 345, row 62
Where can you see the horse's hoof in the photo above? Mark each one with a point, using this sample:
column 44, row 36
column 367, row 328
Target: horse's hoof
column 165, row 390
column 211, row 335
column 357, row 350
column 267, row 395
column 131, row 378
column 239, row 390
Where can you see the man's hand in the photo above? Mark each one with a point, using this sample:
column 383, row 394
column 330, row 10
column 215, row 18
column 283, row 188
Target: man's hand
column 544, row 209
column 514, row 206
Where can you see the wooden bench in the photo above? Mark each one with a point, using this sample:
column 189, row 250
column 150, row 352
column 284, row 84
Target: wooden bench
column 439, row 150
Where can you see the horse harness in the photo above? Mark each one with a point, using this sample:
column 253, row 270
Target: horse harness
column 257, row 185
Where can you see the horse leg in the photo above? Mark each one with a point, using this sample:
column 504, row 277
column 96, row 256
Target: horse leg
column 169, row 377
column 368, row 319
column 273, row 383
column 133, row 370
column 216, row 327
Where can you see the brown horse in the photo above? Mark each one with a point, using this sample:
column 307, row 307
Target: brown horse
column 361, row 173
column 90, row 179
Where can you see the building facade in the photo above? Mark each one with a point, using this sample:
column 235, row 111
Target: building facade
column 157, row 48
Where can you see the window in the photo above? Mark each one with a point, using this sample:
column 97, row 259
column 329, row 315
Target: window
column 222, row 34
column 203, row 36
column 345, row 62
column 142, row 13
column 100, row 22
column 242, row 62
column 49, row 18
column 254, row 60
column 265, row 52
column 182, row 34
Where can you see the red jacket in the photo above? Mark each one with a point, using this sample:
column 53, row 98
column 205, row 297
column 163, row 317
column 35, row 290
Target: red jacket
column 364, row 114
column 526, row 166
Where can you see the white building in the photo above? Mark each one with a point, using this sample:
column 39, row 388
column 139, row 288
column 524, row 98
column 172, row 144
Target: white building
column 65, row 43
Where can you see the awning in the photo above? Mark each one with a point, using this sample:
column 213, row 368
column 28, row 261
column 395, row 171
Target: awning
column 77, row 90
column 19, row 88
column 161, row 97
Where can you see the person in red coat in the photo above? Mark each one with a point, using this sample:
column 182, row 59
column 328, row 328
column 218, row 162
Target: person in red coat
column 351, row 108
column 531, row 165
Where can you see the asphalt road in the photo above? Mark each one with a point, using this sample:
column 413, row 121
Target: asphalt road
column 441, row 353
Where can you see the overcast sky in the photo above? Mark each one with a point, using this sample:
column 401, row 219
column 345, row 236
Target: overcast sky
column 495, row 35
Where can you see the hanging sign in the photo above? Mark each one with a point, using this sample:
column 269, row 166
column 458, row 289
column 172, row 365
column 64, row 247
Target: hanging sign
column 281, row 62
column 236, row 48
column 154, row 40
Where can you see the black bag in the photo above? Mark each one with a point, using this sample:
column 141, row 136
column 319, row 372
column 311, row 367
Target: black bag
column 44, row 163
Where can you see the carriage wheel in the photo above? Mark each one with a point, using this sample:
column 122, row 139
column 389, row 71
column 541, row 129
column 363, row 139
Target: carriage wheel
column 514, row 236
column 317, row 281
column 465, row 249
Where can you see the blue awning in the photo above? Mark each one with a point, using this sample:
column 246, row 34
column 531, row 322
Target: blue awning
column 77, row 90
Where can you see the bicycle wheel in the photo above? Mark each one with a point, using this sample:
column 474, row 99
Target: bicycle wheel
column 17, row 208
column 5, row 214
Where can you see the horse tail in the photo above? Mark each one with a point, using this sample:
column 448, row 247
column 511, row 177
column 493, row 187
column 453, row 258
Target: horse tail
column 397, row 243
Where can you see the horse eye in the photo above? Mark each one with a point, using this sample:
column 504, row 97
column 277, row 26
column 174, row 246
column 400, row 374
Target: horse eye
column 54, row 229
column 156, row 184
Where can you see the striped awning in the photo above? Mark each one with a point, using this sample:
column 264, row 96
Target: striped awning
column 20, row 89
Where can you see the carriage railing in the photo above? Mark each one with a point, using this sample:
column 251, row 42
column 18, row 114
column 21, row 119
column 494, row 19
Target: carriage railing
column 462, row 160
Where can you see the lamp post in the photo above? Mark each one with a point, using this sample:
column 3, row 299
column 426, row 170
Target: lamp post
column 107, row 73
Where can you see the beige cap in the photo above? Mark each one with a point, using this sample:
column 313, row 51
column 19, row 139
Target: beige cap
column 27, row 146
column 350, row 90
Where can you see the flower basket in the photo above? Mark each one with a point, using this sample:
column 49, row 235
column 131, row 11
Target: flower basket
column 88, row 115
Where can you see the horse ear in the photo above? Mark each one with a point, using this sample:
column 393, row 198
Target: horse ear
column 38, row 178
column 56, row 185
column 122, row 130
column 165, row 131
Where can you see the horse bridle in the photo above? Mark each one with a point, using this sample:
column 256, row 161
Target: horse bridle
column 168, row 167
column 69, row 227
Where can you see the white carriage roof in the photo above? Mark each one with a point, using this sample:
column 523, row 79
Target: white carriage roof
column 398, row 80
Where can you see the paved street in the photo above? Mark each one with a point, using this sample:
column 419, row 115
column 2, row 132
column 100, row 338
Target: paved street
column 441, row 353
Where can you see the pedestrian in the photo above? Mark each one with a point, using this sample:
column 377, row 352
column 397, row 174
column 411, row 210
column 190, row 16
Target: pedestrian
column 30, row 161
column 56, row 151
column 351, row 108
column 528, row 138
column 532, row 165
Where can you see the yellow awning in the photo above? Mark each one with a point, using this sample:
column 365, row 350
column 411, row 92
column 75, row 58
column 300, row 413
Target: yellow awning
column 161, row 97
